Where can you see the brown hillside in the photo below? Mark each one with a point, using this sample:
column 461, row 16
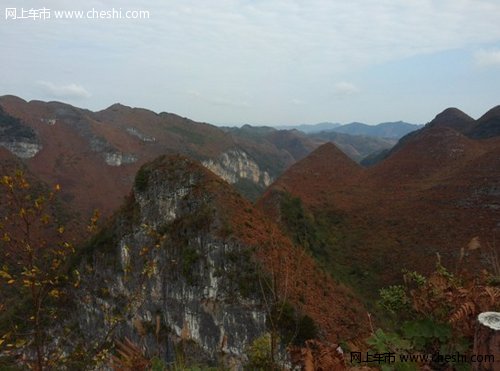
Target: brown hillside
column 321, row 176
column 488, row 125
column 431, row 156
column 432, row 195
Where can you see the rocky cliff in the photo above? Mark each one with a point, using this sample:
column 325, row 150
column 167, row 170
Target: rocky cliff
column 165, row 271
column 189, row 261
column 235, row 165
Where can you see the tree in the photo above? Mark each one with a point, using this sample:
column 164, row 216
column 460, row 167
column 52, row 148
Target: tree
column 34, row 251
column 285, row 325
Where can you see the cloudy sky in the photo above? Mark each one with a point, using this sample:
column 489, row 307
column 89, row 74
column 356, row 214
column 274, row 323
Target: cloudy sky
column 260, row 61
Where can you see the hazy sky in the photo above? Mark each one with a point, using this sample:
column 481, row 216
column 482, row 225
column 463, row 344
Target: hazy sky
column 260, row 61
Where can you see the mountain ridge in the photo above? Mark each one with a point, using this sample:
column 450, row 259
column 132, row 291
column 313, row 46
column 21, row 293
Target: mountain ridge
column 110, row 145
column 107, row 148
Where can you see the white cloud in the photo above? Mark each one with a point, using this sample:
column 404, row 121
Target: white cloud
column 345, row 88
column 487, row 58
column 240, row 53
column 70, row 91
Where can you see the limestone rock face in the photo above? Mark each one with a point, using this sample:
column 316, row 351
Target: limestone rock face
column 235, row 165
column 18, row 138
column 22, row 149
column 118, row 159
column 163, row 270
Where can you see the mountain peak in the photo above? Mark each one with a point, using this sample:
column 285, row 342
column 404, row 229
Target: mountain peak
column 118, row 107
column 494, row 112
column 453, row 118
column 327, row 167
column 9, row 97
column 332, row 155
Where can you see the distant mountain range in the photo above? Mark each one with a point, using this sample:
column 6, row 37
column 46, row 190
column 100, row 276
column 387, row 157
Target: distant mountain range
column 393, row 130
column 310, row 128
column 299, row 143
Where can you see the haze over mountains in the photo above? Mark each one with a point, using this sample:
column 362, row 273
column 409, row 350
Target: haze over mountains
column 382, row 130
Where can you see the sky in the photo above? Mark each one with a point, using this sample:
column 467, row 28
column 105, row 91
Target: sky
column 260, row 62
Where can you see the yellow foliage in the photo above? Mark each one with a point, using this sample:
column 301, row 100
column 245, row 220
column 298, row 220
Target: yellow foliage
column 5, row 275
column 54, row 293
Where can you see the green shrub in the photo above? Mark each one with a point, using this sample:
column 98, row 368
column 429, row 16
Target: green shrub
column 394, row 298
column 259, row 353
column 141, row 179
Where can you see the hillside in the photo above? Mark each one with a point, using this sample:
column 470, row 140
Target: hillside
column 436, row 191
column 318, row 177
column 487, row 126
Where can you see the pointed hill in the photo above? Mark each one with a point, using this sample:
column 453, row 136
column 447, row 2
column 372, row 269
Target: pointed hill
column 317, row 177
column 356, row 146
column 453, row 118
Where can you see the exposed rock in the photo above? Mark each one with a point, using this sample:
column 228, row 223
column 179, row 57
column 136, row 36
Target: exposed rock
column 48, row 121
column 18, row 138
column 22, row 149
column 164, row 260
column 118, row 159
column 136, row 133
column 234, row 165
